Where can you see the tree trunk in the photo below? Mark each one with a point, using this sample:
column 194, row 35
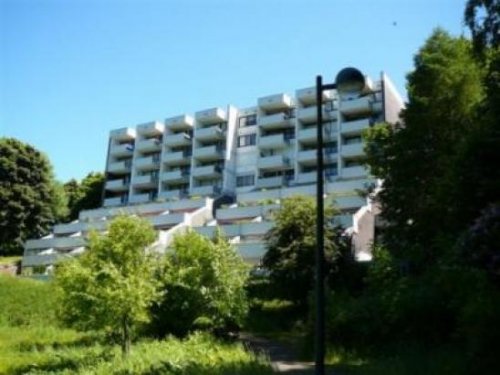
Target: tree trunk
column 125, row 337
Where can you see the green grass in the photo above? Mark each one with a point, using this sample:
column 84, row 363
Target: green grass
column 9, row 260
column 31, row 342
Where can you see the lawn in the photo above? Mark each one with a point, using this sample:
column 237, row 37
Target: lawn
column 32, row 342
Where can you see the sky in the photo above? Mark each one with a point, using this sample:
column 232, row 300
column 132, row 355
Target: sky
column 71, row 71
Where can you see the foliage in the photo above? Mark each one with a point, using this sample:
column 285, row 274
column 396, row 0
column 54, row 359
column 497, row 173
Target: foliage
column 203, row 286
column 417, row 160
column 482, row 18
column 112, row 285
column 30, row 200
column 291, row 244
column 198, row 354
column 85, row 195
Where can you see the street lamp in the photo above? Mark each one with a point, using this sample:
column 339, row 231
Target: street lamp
column 349, row 81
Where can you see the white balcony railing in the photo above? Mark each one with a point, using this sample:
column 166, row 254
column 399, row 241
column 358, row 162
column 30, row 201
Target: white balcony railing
column 152, row 144
column 273, row 162
column 275, row 102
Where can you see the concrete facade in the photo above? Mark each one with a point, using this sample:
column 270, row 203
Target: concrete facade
column 176, row 172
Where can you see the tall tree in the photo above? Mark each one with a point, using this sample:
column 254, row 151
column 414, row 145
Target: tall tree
column 291, row 244
column 417, row 161
column 30, row 200
column 112, row 285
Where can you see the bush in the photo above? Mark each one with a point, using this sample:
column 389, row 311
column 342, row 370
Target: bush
column 203, row 287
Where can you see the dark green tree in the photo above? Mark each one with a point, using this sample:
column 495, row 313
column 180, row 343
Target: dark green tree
column 417, row 160
column 291, row 244
column 30, row 200
column 85, row 195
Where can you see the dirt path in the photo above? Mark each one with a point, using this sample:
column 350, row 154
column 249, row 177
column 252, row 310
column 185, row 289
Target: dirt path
column 283, row 358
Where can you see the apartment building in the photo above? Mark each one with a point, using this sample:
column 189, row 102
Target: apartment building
column 231, row 167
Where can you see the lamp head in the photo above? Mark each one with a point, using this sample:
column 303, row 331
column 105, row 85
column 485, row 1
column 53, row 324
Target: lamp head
column 350, row 81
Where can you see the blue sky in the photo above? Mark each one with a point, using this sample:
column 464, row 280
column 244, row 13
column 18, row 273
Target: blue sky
column 71, row 71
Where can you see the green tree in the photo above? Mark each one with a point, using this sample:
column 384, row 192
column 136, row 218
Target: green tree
column 85, row 195
column 417, row 160
column 30, row 200
column 203, row 286
column 291, row 244
column 112, row 285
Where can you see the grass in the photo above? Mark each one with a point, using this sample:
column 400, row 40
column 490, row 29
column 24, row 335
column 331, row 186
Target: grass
column 32, row 342
column 9, row 260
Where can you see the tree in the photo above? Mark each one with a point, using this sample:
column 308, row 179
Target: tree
column 85, row 195
column 30, row 200
column 291, row 245
column 483, row 19
column 112, row 285
column 417, row 160
column 203, row 286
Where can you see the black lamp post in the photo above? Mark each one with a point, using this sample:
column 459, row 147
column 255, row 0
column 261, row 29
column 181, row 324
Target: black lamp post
column 348, row 81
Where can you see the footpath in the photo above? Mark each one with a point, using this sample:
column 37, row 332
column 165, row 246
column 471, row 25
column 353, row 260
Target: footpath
column 283, row 358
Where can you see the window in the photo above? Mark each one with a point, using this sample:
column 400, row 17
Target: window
column 247, row 140
column 352, row 139
column 248, row 120
column 247, row 180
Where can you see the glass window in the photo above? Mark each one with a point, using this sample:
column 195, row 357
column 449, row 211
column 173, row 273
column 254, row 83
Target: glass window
column 247, row 140
column 247, row 180
column 248, row 120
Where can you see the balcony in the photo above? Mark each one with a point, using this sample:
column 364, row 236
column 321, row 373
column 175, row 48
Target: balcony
column 310, row 114
column 148, row 145
column 147, row 163
column 311, row 177
column 273, row 141
column 354, row 172
column 273, row 162
column 174, row 194
column 208, row 153
column 177, row 123
column 308, row 95
column 120, row 150
column 145, row 181
column 355, row 127
column 210, row 133
column 239, row 213
column 311, row 156
column 117, row 185
column 207, row 171
column 169, row 220
column 211, row 116
column 120, row 166
column 123, row 134
column 206, row 190
column 276, row 121
column 80, row 226
column 270, row 182
column 234, row 230
column 116, row 201
column 177, row 158
column 179, row 175
column 356, row 106
column 151, row 128
column 141, row 198
column 353, row 150
column 275, row 102
column 55, row 243
column 179, row 139
column 310, row 134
